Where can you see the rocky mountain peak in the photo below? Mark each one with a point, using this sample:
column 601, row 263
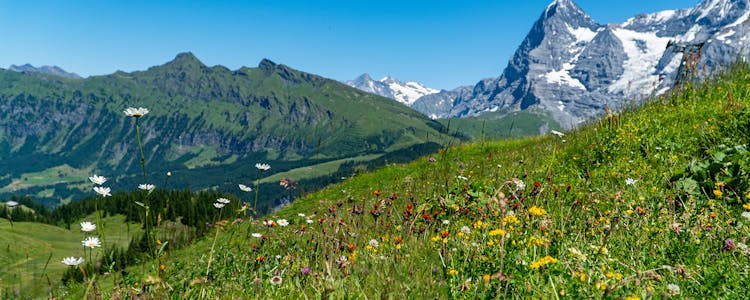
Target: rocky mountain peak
column 568, row 12
column 185, row 65
column 51, row 70
column 363, row 77
column 720, row 13
column 185, row 59
column 266, row 64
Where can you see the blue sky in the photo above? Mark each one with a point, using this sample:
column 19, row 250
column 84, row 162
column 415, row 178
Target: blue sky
column 443, row 44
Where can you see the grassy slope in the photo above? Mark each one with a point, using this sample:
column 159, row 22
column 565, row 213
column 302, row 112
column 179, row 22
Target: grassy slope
column 601, row 237
column 503, row 125
column 27, row 247
column 315, row 171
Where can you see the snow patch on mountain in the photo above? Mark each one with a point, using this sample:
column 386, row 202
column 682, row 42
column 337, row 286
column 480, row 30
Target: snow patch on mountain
column 740, row 20
column 407, row 92
column 724, row 35
column 563, row 77
column 581, row 34
column 644, row 50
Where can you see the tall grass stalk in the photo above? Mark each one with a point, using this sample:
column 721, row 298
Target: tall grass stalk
column 140, row 147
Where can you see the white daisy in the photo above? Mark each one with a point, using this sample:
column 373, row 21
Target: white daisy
column 72, row 261
column 98, row 180
column 146, row 187
column 92, row 242
column 104, row 191
column 135, row 112
column 245, row 188
column 263, row 166
column 88, row 226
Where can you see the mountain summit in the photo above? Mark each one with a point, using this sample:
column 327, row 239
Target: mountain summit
column 51, row 70
column 389, row 87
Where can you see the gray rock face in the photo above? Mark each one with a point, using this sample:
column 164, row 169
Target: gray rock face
column 575, row 68
column 441, row 103
column 52, row 70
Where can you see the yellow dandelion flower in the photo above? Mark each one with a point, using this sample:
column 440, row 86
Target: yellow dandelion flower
column 509, row 220
column 490, row 243
column 537, row 211
column 618, row 276
column 632, row 298
column 542, row 262
column 535, row 241
column 437, row 238
column 609, row 274
column 486, row 277
column 718, row 193
column 478, row 224
column 747, row 205
column 398, row 246
column 601, row 285
column 497, row 232
column 452, row 272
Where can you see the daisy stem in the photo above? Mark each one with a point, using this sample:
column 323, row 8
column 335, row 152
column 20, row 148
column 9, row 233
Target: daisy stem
column 213, row 244
column 257, row 187
column 140, row 147
column 99, row 219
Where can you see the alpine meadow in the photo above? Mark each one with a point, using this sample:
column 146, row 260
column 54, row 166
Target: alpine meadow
column 606, row 161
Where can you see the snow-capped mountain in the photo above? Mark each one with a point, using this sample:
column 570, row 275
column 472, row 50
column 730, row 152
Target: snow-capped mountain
column 52, row 70
column 575, row 68
column 389, row 87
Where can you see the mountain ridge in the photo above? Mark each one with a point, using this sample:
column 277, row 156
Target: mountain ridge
column 49, row 70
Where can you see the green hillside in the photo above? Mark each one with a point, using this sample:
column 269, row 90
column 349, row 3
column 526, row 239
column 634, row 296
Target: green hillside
column 503, row 124
column 204, row 122
column 32, row 252
column 648, row 203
